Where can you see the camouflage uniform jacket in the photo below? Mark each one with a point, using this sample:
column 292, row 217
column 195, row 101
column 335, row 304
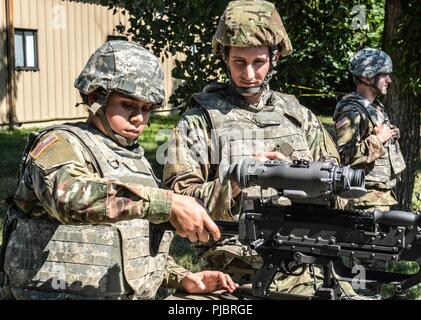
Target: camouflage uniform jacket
column 220, row 126
column 355, row 118
column 68, row 177
column 207, row 134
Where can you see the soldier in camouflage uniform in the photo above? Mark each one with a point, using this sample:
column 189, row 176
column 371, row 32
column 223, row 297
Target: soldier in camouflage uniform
column 79, row 224
column 241, row 119
column 365, row 137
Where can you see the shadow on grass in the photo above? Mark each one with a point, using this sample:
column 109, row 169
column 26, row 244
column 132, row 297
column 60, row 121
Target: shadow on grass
column 11, row 147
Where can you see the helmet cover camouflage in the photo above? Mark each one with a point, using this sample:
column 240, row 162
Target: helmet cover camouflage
column 369, row 62
column 124, row 67
column 251, row 23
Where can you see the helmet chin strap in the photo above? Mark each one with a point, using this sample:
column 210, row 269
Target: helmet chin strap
column 258, row 89
column 373, row 85
column 98, row 108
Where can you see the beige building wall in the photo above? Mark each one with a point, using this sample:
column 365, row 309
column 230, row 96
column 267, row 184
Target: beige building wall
column 3, row 65
column 68, row 32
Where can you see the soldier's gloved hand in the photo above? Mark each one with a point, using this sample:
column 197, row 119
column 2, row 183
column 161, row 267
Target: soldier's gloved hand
column 207, row 282
column 383, row 133
column 190, row 219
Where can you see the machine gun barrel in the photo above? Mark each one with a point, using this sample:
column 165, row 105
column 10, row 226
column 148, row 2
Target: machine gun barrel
column 397, row 218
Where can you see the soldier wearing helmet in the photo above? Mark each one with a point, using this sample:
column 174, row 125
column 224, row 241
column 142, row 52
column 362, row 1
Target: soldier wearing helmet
column 242, row 119
column 365, row 137
column 78, row 227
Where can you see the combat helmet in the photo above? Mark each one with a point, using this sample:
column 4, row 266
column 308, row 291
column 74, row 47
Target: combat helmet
column 252, row 23
column 124, row 67
column 369, row 62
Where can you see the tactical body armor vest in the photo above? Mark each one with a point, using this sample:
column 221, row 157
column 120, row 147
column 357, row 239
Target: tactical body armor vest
column 243, row 132
column 382, row 173
column 45, row 259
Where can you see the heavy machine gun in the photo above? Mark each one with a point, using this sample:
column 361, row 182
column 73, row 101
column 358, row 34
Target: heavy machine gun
column 311, row 231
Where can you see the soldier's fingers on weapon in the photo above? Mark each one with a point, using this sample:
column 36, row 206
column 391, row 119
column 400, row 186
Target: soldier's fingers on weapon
column 208, row 223
column 260, row 157
column 177, row 226
column 197, row 278
column 192, row 236
column 235, row 189
column 275, row 155
column 204, row 236
column 181, row 233
column 225, row 282
column 231, row 285
column 211, row 227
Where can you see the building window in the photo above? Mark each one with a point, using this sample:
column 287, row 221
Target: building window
column 26, row 53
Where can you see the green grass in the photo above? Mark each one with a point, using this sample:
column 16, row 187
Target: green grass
column 327, row 122
column 12, row 144
column 416, row 195
column 154, row 136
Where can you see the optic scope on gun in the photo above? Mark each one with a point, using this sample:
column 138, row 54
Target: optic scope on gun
column 300, row 181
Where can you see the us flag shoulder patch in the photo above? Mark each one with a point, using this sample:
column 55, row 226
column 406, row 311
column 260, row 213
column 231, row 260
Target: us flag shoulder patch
column 342, row 122
column 44, row 144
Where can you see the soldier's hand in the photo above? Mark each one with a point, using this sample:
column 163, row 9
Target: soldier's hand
column 262, row 157
column 270, row 155
column 396, row 134
column 235, row 188
column 207, row 282
column 190, row 219
column 383, row 133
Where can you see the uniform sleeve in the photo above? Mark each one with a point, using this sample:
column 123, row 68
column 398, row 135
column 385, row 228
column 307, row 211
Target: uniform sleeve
column 191, row 167
column 319, row 141
column 356, row 143
column 71, row 191
column 174, row 274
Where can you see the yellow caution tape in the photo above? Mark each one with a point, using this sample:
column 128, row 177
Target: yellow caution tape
column 321, row 94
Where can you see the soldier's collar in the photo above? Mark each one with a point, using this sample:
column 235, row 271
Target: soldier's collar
column 378, row 103
column 364, row 101
column 134, row 150
column 238, row 99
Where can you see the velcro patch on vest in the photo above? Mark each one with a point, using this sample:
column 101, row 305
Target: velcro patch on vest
column 43, row 145
column 342, row 122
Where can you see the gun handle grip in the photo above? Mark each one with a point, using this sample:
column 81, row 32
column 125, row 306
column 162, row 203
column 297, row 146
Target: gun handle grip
column 264, row 277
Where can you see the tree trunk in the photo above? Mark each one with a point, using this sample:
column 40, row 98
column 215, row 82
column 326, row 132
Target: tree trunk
column 402, row 105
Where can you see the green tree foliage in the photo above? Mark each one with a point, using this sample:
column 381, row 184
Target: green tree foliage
column 401, row 39
column 406, row 43
column 324, row 34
